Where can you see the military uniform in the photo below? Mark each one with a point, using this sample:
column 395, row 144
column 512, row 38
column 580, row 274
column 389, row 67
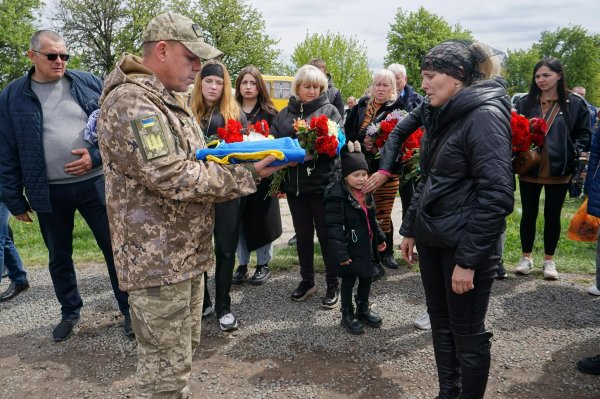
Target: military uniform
column 161, row 212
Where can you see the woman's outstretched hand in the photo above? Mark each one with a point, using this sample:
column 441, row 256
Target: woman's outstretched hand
column 375, row 181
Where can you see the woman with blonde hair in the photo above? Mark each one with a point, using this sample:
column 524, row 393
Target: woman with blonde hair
column 370, row 110
column 458, row 212
column 304, row 187
column 213, row 105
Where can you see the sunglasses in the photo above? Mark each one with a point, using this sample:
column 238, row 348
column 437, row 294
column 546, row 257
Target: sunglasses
column 54, row 56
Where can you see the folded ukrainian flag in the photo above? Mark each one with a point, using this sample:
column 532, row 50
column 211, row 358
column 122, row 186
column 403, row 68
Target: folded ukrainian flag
column 285, row 149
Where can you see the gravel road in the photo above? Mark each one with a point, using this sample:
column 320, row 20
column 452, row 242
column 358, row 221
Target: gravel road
column 285, row 349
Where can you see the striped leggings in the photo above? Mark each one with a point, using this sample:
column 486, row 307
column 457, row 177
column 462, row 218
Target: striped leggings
column 384, row 202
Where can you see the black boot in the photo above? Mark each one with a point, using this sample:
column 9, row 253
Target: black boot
column 378, row 270
column 387, row 257
column 445, row 358
column 364, row 313
column 473, row 353
column 350, row 322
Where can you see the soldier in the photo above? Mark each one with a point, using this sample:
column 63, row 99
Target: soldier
column 160, row 199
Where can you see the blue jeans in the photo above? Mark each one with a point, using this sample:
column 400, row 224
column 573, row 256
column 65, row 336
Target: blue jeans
column 264, row 254
column 9, row 257
column 88, row 198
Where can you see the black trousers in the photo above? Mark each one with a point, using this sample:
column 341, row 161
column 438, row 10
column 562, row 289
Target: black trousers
column 226, row 233
column 308, row 215
column 362, row 292
column 555, row 195
column 406, row 191
column 466, row 312
column 56, row 227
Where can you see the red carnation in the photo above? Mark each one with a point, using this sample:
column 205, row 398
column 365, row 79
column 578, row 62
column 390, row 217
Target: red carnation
column 388, row 126
column 319, row 124
column 232, row 133
column 261, row 127
column 521, row 136
column 327, row 145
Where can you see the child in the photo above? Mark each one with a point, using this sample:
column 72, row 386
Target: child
column 354, row 238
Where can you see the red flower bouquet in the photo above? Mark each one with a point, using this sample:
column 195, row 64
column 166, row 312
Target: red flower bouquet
column 411, row 145
column 260, row 127
column 380, row 132
column 232, row 132
column 320, row 136
column 527, row 132
column 527, row 137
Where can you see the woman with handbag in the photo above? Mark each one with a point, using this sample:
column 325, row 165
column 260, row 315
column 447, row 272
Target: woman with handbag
column 458, row 211
column 568, row 133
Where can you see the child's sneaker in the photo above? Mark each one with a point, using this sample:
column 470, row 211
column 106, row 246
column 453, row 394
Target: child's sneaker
column 525, row 266
column 549, row 268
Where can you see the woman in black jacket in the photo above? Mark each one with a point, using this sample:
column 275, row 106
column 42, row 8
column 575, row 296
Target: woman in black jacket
column 261, row 219
column 568, row 134
column 213, row 105
column 305, row 183
column 458, row 211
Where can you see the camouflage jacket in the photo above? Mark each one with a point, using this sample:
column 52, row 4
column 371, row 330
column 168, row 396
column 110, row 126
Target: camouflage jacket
column 159, row 198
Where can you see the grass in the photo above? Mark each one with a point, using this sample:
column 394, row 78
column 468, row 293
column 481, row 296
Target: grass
column 570, row 257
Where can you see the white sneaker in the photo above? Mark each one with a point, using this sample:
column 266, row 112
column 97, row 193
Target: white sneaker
column 593, row 290
column 549, row 268
column 228, row 322
column 422, row 322
column 525, row 266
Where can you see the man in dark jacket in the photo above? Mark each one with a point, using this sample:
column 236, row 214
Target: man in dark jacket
column 333, row 93
column 42, row 152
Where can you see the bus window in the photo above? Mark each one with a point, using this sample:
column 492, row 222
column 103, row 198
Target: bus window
column 279, row 87
column 282, row 89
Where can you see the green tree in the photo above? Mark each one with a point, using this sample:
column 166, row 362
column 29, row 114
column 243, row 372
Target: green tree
column 346, row 60
column 235, row 28
column 17, row 24
column 90, row 27
column 579, row 52
column 413, row 34
column 518, row 69
column 100, row 31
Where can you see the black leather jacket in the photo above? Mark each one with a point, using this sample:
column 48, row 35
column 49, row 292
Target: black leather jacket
column 466, row 190
column 567, row 137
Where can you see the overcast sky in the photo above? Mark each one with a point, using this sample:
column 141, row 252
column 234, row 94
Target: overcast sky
column 505, row 24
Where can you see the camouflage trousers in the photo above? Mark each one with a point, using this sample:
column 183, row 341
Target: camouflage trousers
column 166, row 321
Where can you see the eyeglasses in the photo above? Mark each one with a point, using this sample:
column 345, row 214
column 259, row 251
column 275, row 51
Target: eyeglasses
column 54, row 56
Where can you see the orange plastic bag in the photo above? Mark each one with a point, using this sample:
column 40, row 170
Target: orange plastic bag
column 583, row 227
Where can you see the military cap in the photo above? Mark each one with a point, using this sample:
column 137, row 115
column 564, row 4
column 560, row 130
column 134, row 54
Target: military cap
column 171, row 26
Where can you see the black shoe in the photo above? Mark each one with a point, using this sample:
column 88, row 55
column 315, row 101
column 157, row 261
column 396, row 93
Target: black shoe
column 365, row 314
column 389, row 261
column 501, row 272
column 332, row 296
column 127, row 329
column 304, row 290
column 292, row 241
column 589, row 365
column 261, row 275
column 64, row 329
column 378, row 271
column 13, row 290
column 350, row 322
column 241, row 273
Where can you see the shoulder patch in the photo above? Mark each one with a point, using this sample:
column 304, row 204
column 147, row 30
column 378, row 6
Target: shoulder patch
column 150, row 135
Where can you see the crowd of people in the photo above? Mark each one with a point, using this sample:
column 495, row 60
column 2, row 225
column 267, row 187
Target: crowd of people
column 121, row 152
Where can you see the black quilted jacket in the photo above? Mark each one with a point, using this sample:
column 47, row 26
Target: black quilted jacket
column 466, row 192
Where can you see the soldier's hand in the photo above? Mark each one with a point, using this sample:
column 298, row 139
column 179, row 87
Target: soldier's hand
column 264, row 170
column 82, row 165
